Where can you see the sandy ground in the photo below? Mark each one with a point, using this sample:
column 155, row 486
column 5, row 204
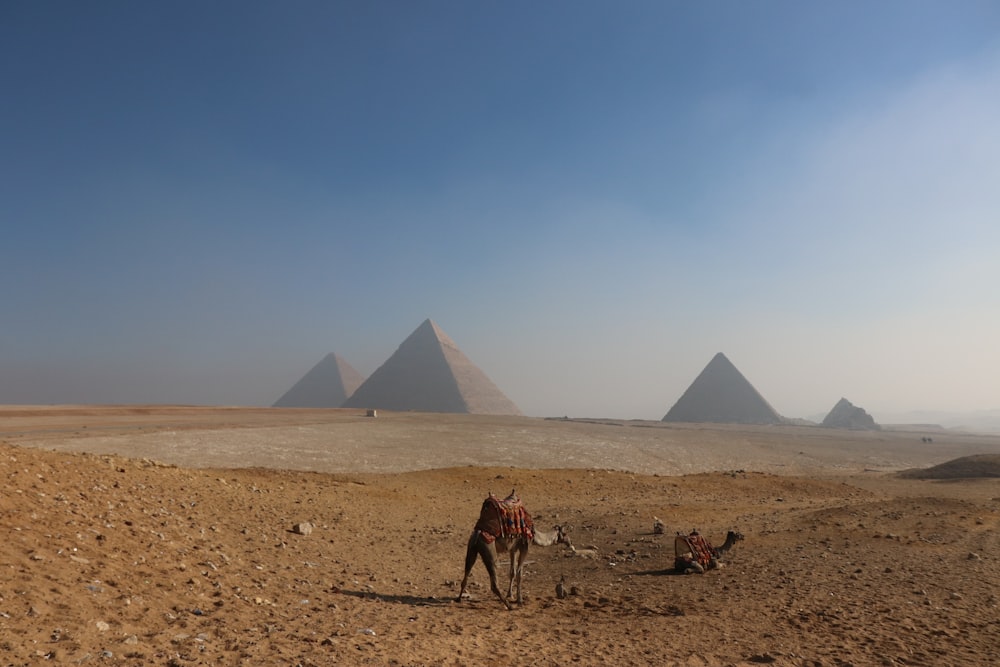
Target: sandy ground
column 164, row 535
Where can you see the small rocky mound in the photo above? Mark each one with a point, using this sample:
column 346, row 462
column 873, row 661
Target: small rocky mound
column 847, row 415
column 967, row 467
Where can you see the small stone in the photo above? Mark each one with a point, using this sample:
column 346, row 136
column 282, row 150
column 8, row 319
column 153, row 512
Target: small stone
column 304, row 528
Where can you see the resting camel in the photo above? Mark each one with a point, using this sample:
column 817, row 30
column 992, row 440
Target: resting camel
column 504, row 526
column 694, row 555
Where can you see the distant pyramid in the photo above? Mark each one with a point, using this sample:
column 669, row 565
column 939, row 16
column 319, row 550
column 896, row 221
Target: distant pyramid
column 327, row 385
column 428, row 373
column 721, row 395
column 847, row 415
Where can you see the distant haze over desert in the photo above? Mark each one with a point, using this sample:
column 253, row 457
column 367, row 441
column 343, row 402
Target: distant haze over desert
column 428, row 372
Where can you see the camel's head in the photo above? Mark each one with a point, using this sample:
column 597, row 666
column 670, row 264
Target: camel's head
column 734, row 536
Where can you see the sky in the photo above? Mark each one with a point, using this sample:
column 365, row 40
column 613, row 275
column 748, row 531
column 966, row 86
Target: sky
column 199, row 201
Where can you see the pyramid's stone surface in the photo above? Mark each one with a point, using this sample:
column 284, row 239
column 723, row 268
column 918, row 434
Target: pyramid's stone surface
column 428, row 373
column 847, row 415
column 327, row 385
column 721, row 395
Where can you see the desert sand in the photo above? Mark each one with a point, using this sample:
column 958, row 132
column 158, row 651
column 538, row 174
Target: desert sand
column 167, row 535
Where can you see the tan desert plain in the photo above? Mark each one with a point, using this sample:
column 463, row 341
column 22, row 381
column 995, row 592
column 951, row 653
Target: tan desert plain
column 168, row 535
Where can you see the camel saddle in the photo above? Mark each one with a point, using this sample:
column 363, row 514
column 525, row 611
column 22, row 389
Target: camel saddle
column 693, row 547
column 504, row 518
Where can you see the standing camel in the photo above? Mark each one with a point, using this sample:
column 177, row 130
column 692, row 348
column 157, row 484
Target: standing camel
column 504, row 526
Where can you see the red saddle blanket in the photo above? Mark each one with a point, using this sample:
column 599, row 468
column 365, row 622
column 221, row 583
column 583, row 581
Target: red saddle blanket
column 697, row 546
column 504, row 518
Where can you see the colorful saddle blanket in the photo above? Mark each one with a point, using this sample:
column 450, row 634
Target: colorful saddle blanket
column 694, row 547
column 504, row 518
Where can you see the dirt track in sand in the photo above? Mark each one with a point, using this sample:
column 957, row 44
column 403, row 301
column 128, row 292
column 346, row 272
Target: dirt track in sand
column 171, row 542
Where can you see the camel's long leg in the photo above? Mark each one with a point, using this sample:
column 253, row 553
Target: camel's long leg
column 512, row 550
column 471, row 553
column 477, row 547
column 522, row 553
column 489, row 557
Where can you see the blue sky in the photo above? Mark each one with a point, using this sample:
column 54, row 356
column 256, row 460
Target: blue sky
column 201, row 200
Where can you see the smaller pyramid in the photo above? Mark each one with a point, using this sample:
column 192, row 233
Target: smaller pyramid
column 846, row 415
column 327, row 385
column 721, row 395
column 428, row 373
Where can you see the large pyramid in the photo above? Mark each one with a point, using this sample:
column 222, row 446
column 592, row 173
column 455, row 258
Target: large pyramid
column 327, row 385
column 428, row 373
column 721, row 395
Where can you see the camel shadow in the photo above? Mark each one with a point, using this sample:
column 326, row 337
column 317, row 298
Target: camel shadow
column 412, row 600
column 670, row 572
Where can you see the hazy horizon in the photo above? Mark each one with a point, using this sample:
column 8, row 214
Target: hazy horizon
column 201, row 201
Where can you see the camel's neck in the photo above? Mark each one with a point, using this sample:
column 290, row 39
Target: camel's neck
column 730, row 541
column 544, row 539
